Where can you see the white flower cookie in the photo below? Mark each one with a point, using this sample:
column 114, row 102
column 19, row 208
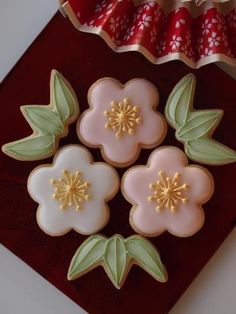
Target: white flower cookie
column 72, row 192
column 122, row 119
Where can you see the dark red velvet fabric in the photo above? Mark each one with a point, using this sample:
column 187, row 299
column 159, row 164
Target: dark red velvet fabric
column 83, row 59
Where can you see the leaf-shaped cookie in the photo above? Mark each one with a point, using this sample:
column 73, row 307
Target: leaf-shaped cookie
column 180, row 101
column 194, row 128
column 199, row 124
column 115, row 260
column 49, row 123
column 87, row 257
column 117, row 255
column 145, row 255
column 32, row 147
column 63, row 98
column 210, row 152
column 42, row 119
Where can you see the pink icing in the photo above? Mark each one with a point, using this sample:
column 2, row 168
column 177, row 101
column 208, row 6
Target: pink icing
column 188, row 218
column 149, row 133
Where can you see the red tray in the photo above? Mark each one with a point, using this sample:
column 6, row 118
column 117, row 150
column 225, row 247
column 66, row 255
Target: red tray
column 83, row 59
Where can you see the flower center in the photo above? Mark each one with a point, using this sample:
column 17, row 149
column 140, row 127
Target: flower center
column 70, row 190
column 123, row 117
column 167, row 192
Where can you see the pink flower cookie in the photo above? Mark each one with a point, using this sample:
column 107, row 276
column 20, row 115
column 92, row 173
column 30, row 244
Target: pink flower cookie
column 122, row 119
column 72, row 192
column 167, row 194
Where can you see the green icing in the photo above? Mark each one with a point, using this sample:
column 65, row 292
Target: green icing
column 200, row 123
column 210, row 152
column 146, row 256
column 115, row 255
column 48, row 123
column 43, row 119
column 34, row 147
column 195, row 127
column 115, row 259
column 87, row 255
column 64, row 99
column 180, row 100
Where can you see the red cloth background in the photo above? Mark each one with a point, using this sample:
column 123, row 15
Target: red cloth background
column 83, row 59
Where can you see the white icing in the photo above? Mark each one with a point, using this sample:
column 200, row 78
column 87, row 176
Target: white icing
column 94, row 214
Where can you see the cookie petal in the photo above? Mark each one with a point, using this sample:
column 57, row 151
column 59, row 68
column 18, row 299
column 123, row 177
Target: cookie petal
column 200, row 184
column 186, row 221
column 145, row 220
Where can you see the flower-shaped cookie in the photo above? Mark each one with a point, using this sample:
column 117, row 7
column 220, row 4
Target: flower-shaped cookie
column 167, row 194
column 72, row 192
column 122, row 119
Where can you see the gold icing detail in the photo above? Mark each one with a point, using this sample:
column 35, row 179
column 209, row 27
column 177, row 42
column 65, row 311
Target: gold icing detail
column 70, row 190
column 167, row 192
column 123, row 117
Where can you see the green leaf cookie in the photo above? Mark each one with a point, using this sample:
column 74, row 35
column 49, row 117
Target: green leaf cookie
column 146, row 256
column 210, row 152
column 199, row 124
column 180, row 101
column 42, row 119
column 194, row 128
column 88, row 255
column 49, row 123
column 63, row 97
column 34, row 147
column 115, row 260
column 117, row 255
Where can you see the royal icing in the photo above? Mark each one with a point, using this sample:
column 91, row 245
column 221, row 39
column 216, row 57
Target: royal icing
column 70, row 193
column 49, row 123
column 194, row 128
column 117, row 255
column 167, row 194
column 122, row 119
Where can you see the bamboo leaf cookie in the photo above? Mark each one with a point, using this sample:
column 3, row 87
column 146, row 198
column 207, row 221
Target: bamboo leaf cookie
column 117, row 255
column 115, row 260
column 49, row 123
column 146, row 256
column 167, row 194
column 89, row 254
column 122, row 119
column 194, row 128
column 70, row 194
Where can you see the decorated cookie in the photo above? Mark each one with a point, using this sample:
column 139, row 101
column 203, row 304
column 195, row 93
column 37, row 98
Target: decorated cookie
column 194, row 128
column 122, row 119
column 117, row 255
column 167, row 194
column 49, row 123
column 72, row 192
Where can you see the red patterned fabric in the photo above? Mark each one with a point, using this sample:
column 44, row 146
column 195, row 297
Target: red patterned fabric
column 83, row 59
column 161, row 37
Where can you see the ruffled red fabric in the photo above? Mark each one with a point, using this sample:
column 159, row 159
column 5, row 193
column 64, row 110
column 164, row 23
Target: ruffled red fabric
column 209, row 37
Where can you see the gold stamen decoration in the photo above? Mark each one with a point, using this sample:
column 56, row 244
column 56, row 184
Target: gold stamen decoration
column 167, row 192
column 123, row 117
column 70, row 190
